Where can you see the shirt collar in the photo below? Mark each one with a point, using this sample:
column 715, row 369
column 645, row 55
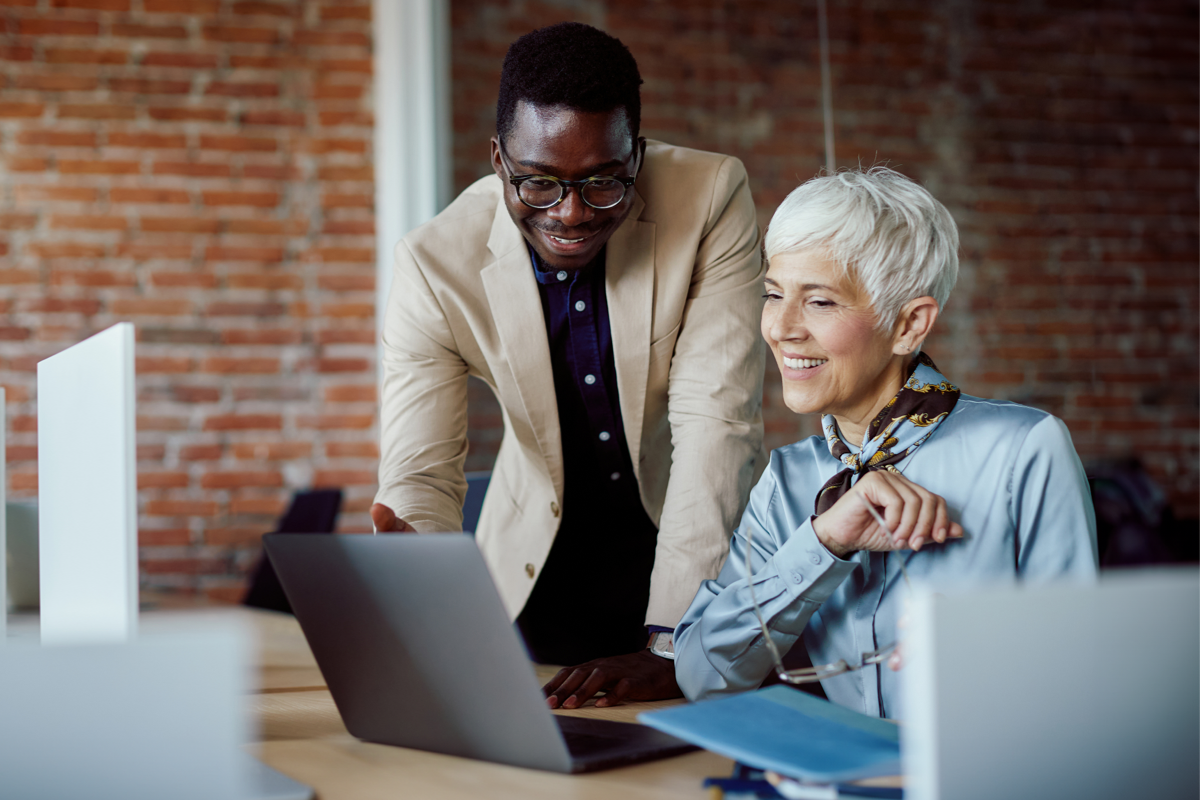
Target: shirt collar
column 548, row 276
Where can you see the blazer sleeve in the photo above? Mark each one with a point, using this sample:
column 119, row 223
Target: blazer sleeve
column 714, row 401
column 424, row 378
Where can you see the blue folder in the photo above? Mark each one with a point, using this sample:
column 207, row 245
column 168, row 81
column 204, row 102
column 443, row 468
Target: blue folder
column 789, row 732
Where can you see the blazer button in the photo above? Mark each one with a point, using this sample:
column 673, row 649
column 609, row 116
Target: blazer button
column 553, row 509
column 529, row 570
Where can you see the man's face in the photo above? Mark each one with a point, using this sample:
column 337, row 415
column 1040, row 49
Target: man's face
column 572, row 145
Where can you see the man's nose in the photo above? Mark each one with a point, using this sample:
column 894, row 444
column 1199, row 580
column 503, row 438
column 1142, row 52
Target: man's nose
column 572, row 211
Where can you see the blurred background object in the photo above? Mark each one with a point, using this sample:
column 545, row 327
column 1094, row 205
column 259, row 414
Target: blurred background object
column 205, row 169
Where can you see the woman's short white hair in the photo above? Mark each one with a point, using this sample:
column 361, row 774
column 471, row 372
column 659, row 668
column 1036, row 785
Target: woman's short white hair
column 886, row 230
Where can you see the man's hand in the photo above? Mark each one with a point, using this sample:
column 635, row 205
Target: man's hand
column 915, row 515
column 386, row 521
column 637, row 676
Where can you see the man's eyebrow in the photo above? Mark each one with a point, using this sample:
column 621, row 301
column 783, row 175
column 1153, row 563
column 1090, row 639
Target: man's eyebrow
column 805, row 288
column 546, row 169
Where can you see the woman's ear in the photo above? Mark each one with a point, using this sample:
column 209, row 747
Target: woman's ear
column 914, row 323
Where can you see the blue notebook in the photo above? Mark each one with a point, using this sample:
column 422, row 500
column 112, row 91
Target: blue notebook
column 788, row 732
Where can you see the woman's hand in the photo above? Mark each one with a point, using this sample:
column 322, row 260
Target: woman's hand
column 915, row 515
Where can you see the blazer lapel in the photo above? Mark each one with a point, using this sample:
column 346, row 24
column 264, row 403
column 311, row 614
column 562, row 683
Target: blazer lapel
column 629, row 285
column 517, row 312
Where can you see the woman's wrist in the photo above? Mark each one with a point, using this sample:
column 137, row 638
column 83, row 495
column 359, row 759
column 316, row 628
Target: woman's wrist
column 821, row 529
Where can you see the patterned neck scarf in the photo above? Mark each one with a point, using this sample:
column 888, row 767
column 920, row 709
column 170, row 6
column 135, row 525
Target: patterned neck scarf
column 901, row 427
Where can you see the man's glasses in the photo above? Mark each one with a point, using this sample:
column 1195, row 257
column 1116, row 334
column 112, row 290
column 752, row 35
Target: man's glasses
column 547, row 191
column 823, row 671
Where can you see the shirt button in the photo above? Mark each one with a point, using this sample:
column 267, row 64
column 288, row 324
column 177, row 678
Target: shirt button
column 579, row 306
column 589, row 379
column 529, row 570
column 616, row 476
column 796, row 577
column 554, row 508
column 815, row 558
column 562, row 275
column 605, row 436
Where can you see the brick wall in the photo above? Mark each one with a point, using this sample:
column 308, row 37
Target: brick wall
column 1061, row 135
column 201, row 168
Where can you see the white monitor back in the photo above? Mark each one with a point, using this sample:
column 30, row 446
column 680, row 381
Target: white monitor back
column 1056, row 692
column 161, row 715
column 87, row 487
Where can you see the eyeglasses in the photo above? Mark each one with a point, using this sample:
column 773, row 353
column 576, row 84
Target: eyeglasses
column 823, row 671
column 546, row 191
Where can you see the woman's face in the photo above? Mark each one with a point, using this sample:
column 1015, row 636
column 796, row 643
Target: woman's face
column 821, row 327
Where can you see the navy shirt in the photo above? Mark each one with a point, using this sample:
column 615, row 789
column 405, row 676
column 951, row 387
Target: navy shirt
column 590, row 599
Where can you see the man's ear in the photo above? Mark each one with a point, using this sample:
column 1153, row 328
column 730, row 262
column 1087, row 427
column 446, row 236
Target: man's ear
column 497, row 164
column 641, row 159
column 914, row 323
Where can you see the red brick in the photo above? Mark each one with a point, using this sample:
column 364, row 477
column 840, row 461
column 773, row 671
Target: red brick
column 346, row 174
column 344, row 477
column 190, row 7
column 318, row 38
column 258, row 199
column 179, row 225
column 346, row 11
column 136, row 31
column 99, row 278
column 60, row 249
column 118, row 195
column 195, row 394
column 343, row 365
column 349, row 227
column 278, row 118
column 348, row 310
column 149, row 86
column 57, row 27
column 57, row 83
column 264, row 9
column 60, row 305
column 232, row 89
column 151, row 364
column 232, row 309
column 239, row 143
column 261, row 336
column 264, row 254
column 258, row 506
column 350, row 394
column 10, row 277
column 267, row 227
column 14, row 222
column 337, row 118
column 271, row 451
column 241, row 366
column 21, row 110
column 180, row 508
column 361, row 65
column 235, row 535
column 58, row 194
column 90, row 222
column 201, row 452
column 161, row 480
column 266, row 281
column 334, row 200
column 351, row 450
column 182, row 566
column 326, row 422
column 27, row 164
column 243, row 422
column 93, row 5
column 240, row 33
column 94, row 167
column 188, row 113
column 163, row 537
column 13, row 333
column 56, row 138
column 181, row 60
column 149, row 306
column 151, row 251
column 342, row 254
column 346, row 336
column 338, row 91
column 76, row 56
column 96, row 111
column 192, row 169
column 240, row 479
column 15, row 453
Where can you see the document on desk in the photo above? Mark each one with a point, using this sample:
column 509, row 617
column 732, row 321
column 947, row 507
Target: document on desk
column 789, row 732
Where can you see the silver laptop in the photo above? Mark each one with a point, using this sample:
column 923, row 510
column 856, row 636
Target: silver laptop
column 1057, row 691
column 415, row 646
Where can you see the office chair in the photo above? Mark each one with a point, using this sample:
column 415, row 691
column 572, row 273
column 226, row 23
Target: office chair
column 313, row 511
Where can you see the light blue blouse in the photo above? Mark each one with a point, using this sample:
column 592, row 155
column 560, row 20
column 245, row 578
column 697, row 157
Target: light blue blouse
column 1010, row 477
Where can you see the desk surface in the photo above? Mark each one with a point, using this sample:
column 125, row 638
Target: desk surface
column 302, row 735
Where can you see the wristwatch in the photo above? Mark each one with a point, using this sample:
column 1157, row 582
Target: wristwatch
column 662, row 644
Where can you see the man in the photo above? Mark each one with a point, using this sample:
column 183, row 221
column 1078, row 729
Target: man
column 607, row 289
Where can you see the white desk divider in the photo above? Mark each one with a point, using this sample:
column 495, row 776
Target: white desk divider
column 87, row 486
column 3, row 519
column 160, row 715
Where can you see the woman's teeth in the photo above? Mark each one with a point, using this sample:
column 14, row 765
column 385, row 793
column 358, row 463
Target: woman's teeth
column 803, row 363
column 566, row 241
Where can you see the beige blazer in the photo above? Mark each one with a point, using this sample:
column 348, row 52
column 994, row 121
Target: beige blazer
column 684, row 282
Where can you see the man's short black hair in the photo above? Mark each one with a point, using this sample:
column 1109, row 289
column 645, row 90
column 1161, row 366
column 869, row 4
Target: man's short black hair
column 569, row 64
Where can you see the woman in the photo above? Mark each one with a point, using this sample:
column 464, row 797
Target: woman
column 860, row 266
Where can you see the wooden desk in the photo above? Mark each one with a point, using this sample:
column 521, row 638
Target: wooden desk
column 302, row 735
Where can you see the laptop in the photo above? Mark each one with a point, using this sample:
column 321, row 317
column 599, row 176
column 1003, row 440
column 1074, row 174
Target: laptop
column 417, row 651
column 1056, row 691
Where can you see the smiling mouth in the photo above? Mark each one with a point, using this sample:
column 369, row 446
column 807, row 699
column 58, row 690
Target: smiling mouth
column 803, row 363
column 561, row 240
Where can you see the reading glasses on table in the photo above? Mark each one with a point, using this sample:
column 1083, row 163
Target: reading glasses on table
column 820, row 672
